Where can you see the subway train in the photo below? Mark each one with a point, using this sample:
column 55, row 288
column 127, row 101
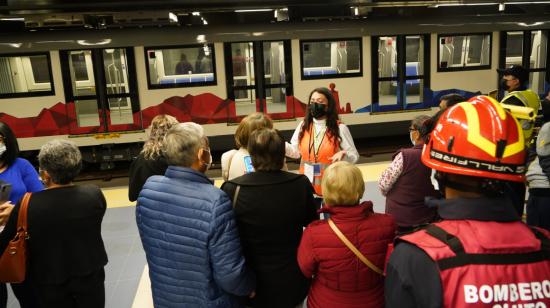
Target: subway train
column 100, row 86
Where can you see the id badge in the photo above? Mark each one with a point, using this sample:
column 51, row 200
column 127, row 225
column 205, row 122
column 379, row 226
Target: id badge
column 316, row 169
column 248, row 164
column 308, row 171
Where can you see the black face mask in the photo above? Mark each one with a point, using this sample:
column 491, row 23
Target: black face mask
column 504, row 85
column 317, row 110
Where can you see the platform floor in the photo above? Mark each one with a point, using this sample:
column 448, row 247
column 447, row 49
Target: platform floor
column 127, row 282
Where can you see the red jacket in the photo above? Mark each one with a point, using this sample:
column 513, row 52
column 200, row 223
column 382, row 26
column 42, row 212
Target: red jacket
column 340, row 279
column 487, row 263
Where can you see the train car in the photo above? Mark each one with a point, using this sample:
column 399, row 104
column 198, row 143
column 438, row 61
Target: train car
column 99, row 79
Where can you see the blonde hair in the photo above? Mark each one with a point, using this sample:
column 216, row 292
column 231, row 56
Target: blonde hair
column 249, row 124
column 342, row 184
column 158, row 129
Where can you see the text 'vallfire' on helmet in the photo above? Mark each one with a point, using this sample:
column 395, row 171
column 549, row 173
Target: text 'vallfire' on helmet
column 477, row 138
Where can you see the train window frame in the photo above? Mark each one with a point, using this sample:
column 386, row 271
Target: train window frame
column 465, row 67
column 331, row 76
column 151, row 86
column 27, row 66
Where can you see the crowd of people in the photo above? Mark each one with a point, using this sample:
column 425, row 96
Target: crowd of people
column 451, row 236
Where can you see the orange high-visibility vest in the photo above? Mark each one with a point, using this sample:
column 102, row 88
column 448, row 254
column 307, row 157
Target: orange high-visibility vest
column 322, row 157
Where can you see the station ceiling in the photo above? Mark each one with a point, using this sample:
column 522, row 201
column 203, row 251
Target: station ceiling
column 129, row 13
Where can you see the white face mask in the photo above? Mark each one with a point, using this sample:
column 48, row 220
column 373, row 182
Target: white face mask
column 412, row 139
column 2, row 148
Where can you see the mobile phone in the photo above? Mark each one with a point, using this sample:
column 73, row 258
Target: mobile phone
column 5, row 190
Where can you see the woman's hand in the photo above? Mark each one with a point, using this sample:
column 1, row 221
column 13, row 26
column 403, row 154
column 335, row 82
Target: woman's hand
column 5, row 211
column 338, row 156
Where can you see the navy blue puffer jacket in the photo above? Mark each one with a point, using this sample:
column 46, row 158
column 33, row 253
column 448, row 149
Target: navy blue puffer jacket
column 191, row 242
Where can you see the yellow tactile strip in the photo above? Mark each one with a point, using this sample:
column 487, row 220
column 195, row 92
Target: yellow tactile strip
column 118, row 196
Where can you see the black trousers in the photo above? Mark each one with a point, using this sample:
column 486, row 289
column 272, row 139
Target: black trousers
column 78, row 292
column 3, row 295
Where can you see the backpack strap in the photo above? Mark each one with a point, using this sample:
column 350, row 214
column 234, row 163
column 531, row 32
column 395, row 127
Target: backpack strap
column 462, row 258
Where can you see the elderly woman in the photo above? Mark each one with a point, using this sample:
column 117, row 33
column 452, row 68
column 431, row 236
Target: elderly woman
column 272, row 207
column 407, row 181
column 188, row 231
column 22, row 177
column 237, row 162
column 340, row 278
column 66, row 251
column 150, row 160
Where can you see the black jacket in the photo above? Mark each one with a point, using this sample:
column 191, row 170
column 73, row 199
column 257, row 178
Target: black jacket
column 412, row 278
column 64, row 226
column 271, row 211
column 140, row 170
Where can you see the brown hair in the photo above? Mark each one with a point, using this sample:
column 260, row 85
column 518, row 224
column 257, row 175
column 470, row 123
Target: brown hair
column 249, row 124
column 267, row 149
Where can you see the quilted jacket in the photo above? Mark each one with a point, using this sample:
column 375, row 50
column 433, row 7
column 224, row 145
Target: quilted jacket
column 191, row 242
column 340, row 279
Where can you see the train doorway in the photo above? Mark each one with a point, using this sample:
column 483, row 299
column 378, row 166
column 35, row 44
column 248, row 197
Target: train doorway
column 101, row 88
column 245, row 61
column 400, row 70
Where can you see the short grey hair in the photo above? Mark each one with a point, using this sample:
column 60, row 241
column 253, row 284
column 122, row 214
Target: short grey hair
column 182, row 143
column 61, row 159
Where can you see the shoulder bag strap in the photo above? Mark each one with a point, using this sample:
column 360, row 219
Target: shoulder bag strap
column 22, row 217
column 236, row 195
column 353, row 249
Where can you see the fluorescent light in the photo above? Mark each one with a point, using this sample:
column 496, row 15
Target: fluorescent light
column 253, row 10
column 196, row 13
column 501, row 7
column 89, row 43
column 201, row 38
column 173, row 17
column 13, row 19
column 538, row 23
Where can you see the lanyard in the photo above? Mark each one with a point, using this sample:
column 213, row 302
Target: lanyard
column 312, row 142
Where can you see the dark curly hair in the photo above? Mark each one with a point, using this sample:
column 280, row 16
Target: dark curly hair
column 12, row 147
column 332, row 117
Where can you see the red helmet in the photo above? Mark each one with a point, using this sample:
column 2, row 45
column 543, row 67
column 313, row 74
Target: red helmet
column 477, row 138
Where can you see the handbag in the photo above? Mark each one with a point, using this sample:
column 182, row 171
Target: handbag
column 353, row 249
column 13, row 262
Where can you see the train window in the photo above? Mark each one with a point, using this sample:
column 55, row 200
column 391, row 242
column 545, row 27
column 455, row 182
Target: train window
column 331, row 58
column 25, row 75
column 169, row 67
column 464, row 52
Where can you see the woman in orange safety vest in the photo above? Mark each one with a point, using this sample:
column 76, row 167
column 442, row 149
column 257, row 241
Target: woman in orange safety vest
column 321, row 139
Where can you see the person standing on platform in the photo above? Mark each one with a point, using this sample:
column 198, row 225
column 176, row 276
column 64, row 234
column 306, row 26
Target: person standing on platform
column 23, row 178
column 150, row 160
column 406, row 182
column 538, row 179
column 188, row 230
column 272, row 207
column 450, row 100
column 238, row 162
column 515, row 81
column 480, row 254
column 321, row 139
column 341, row 277
column 65, row 251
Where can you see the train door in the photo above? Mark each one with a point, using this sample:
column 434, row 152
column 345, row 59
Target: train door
column 246, row 61
column 100, row 89
column 529, row 49
column 400, row 72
